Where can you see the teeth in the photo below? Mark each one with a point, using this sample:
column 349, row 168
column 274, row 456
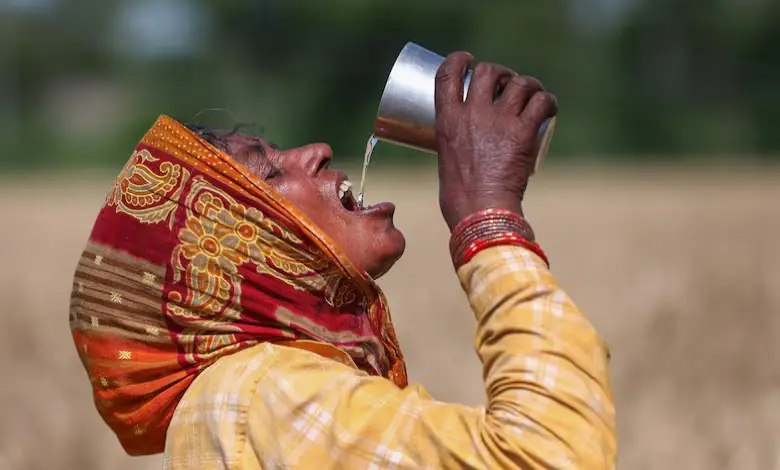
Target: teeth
column 344, row 188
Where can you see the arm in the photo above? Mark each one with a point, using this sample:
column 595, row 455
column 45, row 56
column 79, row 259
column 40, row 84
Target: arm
column 545, row 368
column 549, row 404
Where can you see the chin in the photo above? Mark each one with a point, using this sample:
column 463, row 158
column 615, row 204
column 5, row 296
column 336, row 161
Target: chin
column 392, row 249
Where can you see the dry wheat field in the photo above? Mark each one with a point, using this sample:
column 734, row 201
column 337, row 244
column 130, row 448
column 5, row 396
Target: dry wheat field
column 679, row 270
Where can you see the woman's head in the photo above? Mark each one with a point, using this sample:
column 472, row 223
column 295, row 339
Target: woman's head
column 303, row 176
column 193, row 257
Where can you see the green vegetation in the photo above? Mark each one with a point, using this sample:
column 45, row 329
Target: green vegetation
column 81, row 80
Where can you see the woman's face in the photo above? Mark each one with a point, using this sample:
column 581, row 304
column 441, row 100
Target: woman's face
column 368, row 237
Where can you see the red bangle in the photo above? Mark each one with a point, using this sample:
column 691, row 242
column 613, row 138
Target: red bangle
column 510, row 239
column 489, row 228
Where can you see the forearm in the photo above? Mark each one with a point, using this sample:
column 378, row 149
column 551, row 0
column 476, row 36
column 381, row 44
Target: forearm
column 549, row 405
column 545, row 367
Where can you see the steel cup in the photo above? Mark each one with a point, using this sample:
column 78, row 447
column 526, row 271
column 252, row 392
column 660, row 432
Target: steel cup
column 407, row 113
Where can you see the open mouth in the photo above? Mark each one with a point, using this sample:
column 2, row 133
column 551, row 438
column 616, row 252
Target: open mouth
column 347, row 198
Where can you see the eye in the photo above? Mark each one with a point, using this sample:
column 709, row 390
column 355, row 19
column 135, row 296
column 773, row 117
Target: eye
column 273, row 172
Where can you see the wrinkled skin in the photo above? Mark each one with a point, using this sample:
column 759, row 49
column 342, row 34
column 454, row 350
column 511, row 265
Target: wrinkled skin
column 302, row 175
column 486, row 153
column 487, row 149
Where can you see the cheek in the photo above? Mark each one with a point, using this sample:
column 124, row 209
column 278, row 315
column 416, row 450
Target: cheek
column 305, row 196
column 288, row 189
column 333, row 221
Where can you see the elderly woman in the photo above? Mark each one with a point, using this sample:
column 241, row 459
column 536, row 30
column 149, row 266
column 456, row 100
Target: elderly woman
column 226, row 312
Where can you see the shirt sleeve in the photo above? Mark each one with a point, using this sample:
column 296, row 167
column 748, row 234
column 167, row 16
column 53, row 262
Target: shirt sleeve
column 546, row 376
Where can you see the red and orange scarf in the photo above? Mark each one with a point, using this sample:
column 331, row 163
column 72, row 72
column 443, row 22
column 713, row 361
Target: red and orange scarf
column 193, row 258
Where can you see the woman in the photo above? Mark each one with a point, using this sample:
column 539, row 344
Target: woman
column 226, row 312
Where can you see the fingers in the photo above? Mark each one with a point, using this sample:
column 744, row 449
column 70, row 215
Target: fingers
column 449, row 79
column 486, row 80
column 518, row 91
column 541, row 106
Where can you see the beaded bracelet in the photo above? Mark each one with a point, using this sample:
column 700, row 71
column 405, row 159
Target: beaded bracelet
column 489, row 228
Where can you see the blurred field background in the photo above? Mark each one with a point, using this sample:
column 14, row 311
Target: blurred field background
column 659, row 205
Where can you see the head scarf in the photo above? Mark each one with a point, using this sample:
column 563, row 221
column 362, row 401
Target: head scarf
column 192, row 258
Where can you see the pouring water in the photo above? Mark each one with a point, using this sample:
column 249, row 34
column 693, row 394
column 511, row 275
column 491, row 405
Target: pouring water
column 366, row 160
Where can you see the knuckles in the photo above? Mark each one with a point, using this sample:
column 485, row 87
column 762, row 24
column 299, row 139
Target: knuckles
column 547, row 103
column 484, row 68
column 527, row 83
column 452, row 66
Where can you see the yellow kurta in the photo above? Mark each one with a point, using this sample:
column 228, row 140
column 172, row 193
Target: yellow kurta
column 546, row 377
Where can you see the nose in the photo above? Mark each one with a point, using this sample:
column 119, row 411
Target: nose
column 315, row 158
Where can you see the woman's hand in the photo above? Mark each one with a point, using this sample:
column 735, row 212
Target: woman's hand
column 487, row 147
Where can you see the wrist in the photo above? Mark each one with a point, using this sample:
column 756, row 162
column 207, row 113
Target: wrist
column 462, row 211
column 488, row 228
